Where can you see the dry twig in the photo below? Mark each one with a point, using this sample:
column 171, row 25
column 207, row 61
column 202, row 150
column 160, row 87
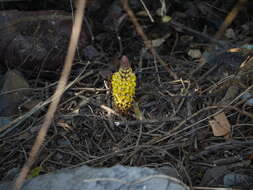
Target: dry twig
column 58, row 93
column 146, row 41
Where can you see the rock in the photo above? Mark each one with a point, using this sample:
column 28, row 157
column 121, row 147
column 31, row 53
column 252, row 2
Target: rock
column 11, row 174
column 15, row 90
column 234, row 179
column 194, row 53
column 230, row 33
column 36, row 40
column 117, row 177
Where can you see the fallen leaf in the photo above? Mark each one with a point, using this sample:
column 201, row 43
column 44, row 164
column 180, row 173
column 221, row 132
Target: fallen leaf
column 159, row 41
column 250, row 157
column 221, row 126
column 35, row 172
column 166, row 19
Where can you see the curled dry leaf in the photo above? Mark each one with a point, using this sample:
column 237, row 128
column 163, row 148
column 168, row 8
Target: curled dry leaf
column 221, row 126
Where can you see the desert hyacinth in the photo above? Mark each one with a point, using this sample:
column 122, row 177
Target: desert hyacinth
column 123, row 86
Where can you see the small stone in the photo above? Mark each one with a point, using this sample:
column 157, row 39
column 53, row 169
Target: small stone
column 194, row 53
column 230, row 34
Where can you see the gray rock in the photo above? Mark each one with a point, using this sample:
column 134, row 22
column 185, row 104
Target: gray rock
column 234, row 179
column 117, row 177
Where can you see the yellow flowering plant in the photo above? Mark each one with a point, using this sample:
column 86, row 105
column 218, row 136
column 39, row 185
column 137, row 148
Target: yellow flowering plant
column 123, row 86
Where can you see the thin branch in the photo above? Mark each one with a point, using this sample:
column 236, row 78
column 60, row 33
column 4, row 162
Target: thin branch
column 57, row 95
column 146, row 41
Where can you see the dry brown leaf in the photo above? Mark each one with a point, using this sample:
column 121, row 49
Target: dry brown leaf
column 221, row 126
column 159, row 41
